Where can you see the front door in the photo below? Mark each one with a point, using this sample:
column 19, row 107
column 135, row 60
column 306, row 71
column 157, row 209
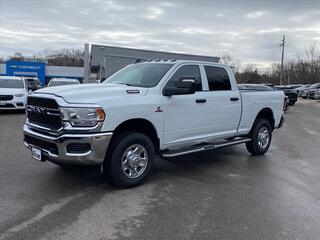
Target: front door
column 185, row 115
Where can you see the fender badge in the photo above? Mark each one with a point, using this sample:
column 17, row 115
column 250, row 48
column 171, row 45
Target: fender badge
column 159, row 109
column 132, row 91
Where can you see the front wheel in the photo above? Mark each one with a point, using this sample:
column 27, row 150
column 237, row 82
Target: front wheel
column 130, row 160
column 261, row 136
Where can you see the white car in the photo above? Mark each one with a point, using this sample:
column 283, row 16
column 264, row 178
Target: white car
column 168, row 108
column 13, row 93
column 62, row 81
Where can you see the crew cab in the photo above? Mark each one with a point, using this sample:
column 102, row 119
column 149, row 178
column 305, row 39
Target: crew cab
column 166, row 108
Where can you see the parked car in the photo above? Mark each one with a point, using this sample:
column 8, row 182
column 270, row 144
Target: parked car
column 255, row 87
column 312, row 92
column 299, row 90
column 316, row 94
column 169, row 108
column 290, row 93
column 305, row 93
column 13, row 93
column 290, row 86
column 62, row 81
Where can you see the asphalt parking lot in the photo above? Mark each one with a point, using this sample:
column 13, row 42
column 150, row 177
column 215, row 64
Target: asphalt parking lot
column 225, row 194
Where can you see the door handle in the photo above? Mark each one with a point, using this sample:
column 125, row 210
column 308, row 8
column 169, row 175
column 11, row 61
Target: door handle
column 201, row 100
column 234, row 99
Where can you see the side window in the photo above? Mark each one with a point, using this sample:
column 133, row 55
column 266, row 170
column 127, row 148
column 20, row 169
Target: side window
column 187, row 71
column 32, row 83
column 218, row 78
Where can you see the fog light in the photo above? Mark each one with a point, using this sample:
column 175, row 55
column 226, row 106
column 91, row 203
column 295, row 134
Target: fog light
column 78, row 147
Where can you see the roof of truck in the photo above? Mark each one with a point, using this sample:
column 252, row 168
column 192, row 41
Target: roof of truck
column 174, row 61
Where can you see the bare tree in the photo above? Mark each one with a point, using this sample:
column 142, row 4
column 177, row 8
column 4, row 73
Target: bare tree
column 225, row 58
column 63, row 57
column 18, row 56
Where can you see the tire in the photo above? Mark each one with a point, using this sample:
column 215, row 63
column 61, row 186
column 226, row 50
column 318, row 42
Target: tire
column 292, row 103
column 261, row 136
column 123, row 166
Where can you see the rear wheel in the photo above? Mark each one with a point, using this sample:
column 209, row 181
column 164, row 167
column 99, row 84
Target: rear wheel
column 130, row 160
column 261, row 136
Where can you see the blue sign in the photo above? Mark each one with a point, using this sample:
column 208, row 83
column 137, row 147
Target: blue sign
column 27, row 69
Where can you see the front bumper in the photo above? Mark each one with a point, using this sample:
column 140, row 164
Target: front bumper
column 55, row 148
column 13, row 104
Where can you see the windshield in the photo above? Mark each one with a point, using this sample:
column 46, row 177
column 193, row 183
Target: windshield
column 11, row 83
column 140, row 75
column 60, row 83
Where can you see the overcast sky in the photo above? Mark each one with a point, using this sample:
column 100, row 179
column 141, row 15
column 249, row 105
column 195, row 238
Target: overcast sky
column 249, row 30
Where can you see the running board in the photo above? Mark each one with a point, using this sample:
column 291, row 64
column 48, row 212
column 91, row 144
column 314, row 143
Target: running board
column 205, row 147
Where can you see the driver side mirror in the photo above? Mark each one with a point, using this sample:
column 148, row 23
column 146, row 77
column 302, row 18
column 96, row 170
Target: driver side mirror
column 185, row 85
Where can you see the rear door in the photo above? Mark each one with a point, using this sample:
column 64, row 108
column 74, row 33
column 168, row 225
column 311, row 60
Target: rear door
column 223, row 102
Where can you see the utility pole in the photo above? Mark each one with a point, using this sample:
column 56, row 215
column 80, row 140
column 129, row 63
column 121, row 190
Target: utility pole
column 283, row 41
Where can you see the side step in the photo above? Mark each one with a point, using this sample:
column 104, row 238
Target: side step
column 204, row 147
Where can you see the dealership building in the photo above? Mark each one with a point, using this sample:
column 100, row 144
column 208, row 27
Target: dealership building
column 100, row 62
column 106, row 60
column 40, row 70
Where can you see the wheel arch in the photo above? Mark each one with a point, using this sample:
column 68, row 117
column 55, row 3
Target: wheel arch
column 265, row 113
column 138, row 125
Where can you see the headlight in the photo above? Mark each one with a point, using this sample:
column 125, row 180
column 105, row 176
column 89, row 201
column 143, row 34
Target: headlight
column 82, row 117
column 20, row 95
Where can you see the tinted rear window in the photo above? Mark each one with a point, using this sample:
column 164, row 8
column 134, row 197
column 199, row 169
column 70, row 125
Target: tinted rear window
column 218, row 78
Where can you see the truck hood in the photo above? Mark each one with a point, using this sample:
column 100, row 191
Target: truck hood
column 92, row 93
column 11, row 91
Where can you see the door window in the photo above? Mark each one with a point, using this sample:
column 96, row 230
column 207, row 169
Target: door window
column 187, row 71
column 218, row 78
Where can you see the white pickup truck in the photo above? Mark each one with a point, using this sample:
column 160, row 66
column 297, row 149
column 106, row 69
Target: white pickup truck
column 169, row 108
